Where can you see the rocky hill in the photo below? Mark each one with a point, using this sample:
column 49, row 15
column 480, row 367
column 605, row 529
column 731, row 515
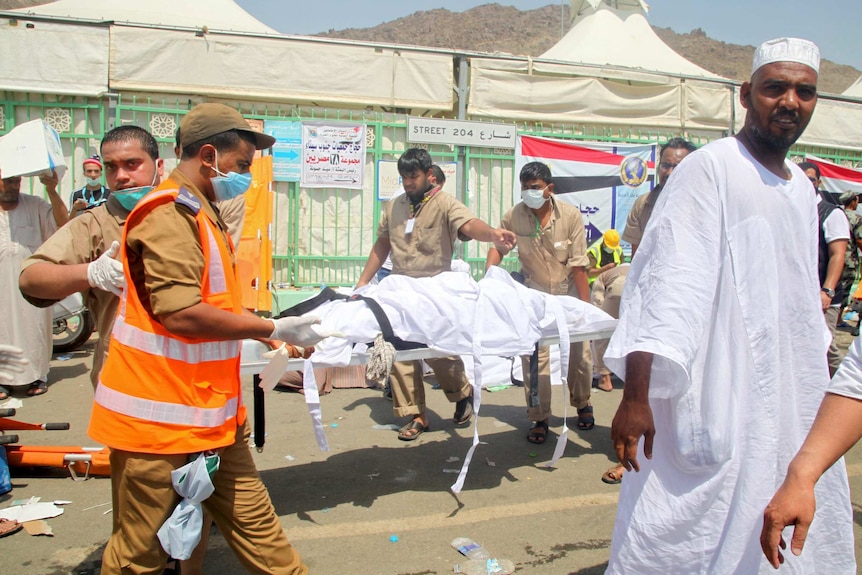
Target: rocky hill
column 496, row 28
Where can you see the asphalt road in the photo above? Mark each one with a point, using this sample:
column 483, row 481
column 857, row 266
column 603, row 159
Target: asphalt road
column 343, row 508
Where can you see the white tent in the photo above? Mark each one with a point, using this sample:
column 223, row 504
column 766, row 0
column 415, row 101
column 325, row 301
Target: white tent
column 214, row 14
column 855, row 90
column 610, row 69
column 209, row 48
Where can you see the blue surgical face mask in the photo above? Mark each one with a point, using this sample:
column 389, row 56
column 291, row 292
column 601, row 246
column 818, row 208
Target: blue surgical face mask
column 129, row 197
column 534, row 199
column 230, row 185
column 94, row 182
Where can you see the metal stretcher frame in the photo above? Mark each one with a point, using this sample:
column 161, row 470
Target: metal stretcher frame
column 254, row 368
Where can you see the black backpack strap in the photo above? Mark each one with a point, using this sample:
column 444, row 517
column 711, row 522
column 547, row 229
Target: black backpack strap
column 385, row 326
column 326, row 295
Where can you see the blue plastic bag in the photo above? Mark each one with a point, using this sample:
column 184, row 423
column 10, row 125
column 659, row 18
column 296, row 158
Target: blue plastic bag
column 5, row 479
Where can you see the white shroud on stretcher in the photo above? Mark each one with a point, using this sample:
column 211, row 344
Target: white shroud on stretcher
column 453, row 315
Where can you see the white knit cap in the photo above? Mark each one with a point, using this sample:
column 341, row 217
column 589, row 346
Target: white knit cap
column 787, row 50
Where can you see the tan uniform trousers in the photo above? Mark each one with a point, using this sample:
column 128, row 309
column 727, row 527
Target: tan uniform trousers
column 580, row 380
column 408, row 389
column 144, row 498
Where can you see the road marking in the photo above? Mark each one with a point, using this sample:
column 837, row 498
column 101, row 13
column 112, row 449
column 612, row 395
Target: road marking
column 463, row 517
column 466, row 517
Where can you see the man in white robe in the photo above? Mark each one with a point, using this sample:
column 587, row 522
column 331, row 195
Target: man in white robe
column 721, row 343
column 25, row 222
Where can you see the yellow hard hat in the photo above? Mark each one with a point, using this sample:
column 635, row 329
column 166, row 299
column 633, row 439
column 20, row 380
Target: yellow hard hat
column 611, row 239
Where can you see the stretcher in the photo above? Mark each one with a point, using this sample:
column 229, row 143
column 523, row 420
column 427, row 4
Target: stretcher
column 82, row 462
column 252, row 362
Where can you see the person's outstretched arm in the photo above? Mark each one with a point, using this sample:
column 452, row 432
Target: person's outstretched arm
column 836, row 429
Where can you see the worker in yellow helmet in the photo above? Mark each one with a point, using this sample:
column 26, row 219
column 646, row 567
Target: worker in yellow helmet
column 604, row 254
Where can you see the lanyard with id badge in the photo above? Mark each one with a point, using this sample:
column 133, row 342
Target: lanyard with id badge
column 414, row 211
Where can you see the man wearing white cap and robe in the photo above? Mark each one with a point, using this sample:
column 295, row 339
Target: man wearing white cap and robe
column 723, row 380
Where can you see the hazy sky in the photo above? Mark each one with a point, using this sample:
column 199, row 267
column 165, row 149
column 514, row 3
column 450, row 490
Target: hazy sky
column 832, row 24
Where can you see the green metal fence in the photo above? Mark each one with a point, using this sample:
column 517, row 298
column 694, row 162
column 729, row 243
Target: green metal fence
column 324, row 235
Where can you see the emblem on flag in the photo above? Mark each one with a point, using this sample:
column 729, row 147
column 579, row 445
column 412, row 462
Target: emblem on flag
column 633, row 171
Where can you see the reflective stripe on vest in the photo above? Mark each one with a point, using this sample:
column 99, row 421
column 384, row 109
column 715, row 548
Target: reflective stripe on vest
column 170, row 348
column 164, row 412
column 217, row 280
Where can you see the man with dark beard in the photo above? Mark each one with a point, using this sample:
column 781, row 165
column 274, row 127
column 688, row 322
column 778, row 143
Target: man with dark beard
column 721, row 344
column 419, row 228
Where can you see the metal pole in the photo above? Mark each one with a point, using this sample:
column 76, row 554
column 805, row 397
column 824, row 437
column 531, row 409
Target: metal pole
column 461, row 190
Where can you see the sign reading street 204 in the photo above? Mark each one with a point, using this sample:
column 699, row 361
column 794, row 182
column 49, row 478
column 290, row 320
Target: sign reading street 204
column 436, row 131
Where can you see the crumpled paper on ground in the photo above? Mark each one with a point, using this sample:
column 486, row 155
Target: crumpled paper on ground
column 30, row 511
column 181, row 533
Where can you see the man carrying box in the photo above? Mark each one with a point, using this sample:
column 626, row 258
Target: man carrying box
column 25, row 222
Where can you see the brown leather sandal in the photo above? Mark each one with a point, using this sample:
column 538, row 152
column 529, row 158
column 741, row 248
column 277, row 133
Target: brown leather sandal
column 613, row 475
column 412, row 430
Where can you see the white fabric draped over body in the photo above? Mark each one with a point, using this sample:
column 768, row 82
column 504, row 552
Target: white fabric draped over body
column 441, row 312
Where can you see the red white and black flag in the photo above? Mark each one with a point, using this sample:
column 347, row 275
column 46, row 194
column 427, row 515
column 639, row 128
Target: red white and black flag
column 837, row 179
column 601, row 179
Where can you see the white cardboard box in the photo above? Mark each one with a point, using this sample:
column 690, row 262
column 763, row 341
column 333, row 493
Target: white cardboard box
column 31, row 149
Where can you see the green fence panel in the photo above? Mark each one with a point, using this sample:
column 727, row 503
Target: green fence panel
column 323, row 235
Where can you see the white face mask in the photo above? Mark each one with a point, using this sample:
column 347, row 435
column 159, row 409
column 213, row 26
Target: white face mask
column 534, row 199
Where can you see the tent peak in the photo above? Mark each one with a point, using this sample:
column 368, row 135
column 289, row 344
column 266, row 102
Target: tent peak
column 581, row 7
column 617, row 33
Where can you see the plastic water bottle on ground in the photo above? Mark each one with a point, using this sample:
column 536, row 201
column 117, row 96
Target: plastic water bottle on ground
column 470, row 548
column 480, row 561
column 485, row 567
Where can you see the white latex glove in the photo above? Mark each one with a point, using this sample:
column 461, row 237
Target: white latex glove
column 106, row 273
column 302, row 331
column 12, row 360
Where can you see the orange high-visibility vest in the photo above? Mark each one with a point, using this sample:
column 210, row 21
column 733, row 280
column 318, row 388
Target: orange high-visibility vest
column 164, row 393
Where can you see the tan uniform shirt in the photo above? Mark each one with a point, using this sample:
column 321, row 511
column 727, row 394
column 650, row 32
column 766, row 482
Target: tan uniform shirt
column 81, row 241
column 233, row 213
column 548, row 254
column 164, row 252
column 639, row 216
column 427, row 250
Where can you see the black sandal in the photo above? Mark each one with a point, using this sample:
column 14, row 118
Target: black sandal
column 463, row 411
column 412, row 430
column 538, row 432
column 586, row 421
column 38, row 387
